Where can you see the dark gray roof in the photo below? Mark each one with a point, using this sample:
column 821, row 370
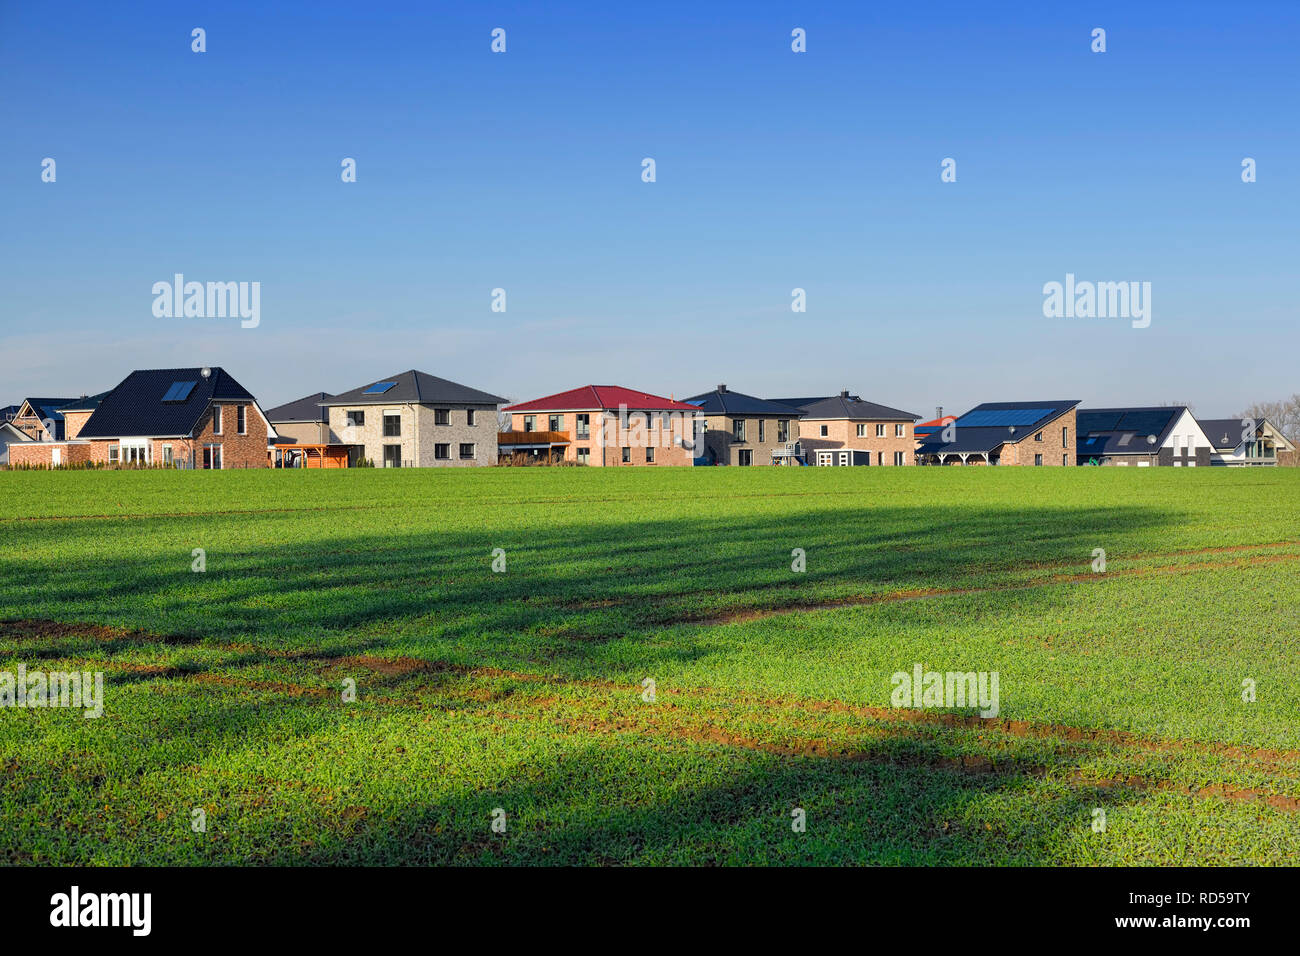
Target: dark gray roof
column 848, row 406
column 1224, row 433
column 48, row 407
column 974, row 436
column 418, row 388
column 306, row 409
column 1124, row 431
column 86, row 404
column 135, row 408
column 723, row 401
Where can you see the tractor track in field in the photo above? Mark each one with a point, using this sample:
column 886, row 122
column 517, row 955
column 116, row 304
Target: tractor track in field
column 425, row 682
column 909, row 594
column 920, row 594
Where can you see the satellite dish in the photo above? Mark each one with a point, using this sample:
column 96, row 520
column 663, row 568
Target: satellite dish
column 206, row 372
column 1151, row 439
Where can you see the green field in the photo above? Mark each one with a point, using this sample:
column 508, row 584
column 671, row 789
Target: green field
column 522, row 690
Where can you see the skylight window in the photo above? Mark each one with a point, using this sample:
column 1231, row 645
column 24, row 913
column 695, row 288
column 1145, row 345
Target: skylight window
column 378, row 388
column 179, row 391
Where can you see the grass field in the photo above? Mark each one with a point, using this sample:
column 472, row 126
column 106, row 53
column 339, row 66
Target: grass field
column 522, row 690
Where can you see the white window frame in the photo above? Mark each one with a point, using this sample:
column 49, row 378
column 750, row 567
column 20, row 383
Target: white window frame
column 216, row 419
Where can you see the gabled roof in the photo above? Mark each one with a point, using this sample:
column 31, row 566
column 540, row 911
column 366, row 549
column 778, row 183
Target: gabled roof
column 47, row 407
column 987, row 427
column 602, row 397
column 1124, row 431
column 305, row 409
column 13, row 436
column 847, row 406
column 1225, row 433
column 723, row 401
column 413, row 387
column 135, row 408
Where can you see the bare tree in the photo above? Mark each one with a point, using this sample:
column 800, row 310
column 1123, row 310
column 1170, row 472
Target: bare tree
column 1284, row 415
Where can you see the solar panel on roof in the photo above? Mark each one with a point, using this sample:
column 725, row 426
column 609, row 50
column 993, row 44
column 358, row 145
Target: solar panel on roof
column 179, row 391
column 378, row 388
column 1002, row 417
column 1147, row 423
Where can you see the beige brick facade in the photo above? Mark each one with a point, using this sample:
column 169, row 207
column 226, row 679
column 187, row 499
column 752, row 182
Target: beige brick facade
column 819, row 434
column 760, row 436
column 422, row 440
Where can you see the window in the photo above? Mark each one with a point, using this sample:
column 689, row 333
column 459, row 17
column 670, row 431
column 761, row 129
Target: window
column 356, row 418
column 467, row 450
column 469, row 417
column 583, row 423
column 392, row 424
column 862, row 431
column 762, row 430
column 900, row 431
column 824, row 431
column 442, row 416
column 216, row 419
column 530, row 423
column 241, row 419
column 212, row 457
column 584, row 456
column 899, row 458
column 783, row 430
column 136, row 451
column 880, row 458
column 627, row 456
column 555, row 423
column 442, row 451
column 650, row 455
column 1065, row 437
column 112, row 454
column 738, row 429
column 1038, row 437
column 392, row 456
column 880, row 431
column 745, row 456
column 1063, row 460
column 1038, row 459
column 167, row 455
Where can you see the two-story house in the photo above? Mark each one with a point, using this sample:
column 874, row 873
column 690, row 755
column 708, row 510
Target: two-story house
column 740, row 429
column 416, row 420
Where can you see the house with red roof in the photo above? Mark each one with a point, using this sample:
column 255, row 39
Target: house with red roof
column 603, row 425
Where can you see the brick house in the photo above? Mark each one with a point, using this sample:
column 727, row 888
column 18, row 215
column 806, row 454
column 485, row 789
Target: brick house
column 181, row 417
column 40, row 419
column 1141, row 437
column 1006, row 433
column 416, row 420
column 845, row 430
column 740, row 429
column 605, row 426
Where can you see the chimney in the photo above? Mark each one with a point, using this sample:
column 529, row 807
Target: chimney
column 844, row 393
column 938, row 411
column 722, row 388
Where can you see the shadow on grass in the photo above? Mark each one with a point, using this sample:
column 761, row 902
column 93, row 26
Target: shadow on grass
column 619, row 583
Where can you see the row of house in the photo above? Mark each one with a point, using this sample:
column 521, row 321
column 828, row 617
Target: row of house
column 202, row 418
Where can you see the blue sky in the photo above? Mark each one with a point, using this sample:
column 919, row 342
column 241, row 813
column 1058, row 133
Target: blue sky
column 775, row 170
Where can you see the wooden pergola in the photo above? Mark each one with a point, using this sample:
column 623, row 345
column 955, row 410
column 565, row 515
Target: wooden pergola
column 312, row 456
